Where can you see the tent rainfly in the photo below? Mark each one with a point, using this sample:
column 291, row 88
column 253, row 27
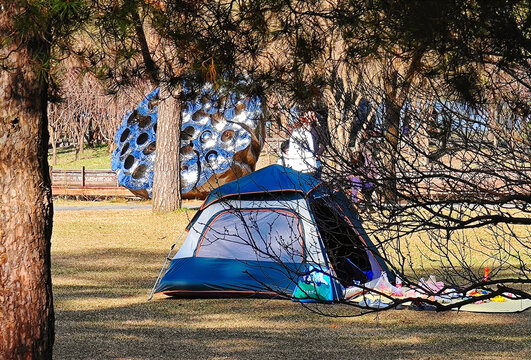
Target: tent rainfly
column 273, row 232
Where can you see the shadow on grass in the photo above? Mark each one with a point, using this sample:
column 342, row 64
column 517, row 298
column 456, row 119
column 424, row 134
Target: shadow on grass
column 110, row 267
column 102, row 313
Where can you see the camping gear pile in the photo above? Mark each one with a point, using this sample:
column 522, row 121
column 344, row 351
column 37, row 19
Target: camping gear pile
column 221, row 139
column 380, row 293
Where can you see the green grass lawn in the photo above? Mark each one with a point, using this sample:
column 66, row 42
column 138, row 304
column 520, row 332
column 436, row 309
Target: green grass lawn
column 92, row 158
column 104, row 263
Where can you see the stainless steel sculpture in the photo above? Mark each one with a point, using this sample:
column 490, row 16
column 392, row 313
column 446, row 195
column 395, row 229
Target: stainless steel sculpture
column 221, row 140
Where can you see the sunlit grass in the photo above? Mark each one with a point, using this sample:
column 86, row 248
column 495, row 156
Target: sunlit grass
column 91, row 158
column 59, row 202
column 106, row 261
column 499, row 247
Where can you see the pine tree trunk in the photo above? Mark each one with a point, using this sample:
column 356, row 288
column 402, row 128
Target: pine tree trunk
column 166, row 178
column 390, row 150
column 396, row 90
column 26, row 306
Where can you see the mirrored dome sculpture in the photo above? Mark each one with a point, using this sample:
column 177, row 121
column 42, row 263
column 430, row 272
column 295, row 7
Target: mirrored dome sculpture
column 221, row 139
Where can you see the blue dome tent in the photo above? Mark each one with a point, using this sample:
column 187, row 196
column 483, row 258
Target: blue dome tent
column 273, row 232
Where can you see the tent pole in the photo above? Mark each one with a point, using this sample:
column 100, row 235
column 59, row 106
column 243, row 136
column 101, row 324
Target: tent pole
column 168, row 257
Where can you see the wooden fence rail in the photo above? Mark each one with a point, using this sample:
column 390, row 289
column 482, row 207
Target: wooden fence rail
column 83, row 177
column 87, row 183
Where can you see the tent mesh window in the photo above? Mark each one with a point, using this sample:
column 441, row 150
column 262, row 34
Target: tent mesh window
column 346, row 251
column 253, row 235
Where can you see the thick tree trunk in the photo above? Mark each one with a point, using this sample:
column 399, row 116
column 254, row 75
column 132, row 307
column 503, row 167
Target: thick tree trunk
column 166, row 178
column 26, row 306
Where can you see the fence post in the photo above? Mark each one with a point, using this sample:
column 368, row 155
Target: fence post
column 83, row 177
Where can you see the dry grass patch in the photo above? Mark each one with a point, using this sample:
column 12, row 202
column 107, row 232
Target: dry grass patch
column 105, row 262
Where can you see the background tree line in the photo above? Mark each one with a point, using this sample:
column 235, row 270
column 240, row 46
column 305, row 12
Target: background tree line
column 84, row 113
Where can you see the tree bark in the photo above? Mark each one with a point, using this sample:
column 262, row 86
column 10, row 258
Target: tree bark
column 26, row 305
column 390, row 151
column 396, row 90
column 166, row 178
column 151, row 67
